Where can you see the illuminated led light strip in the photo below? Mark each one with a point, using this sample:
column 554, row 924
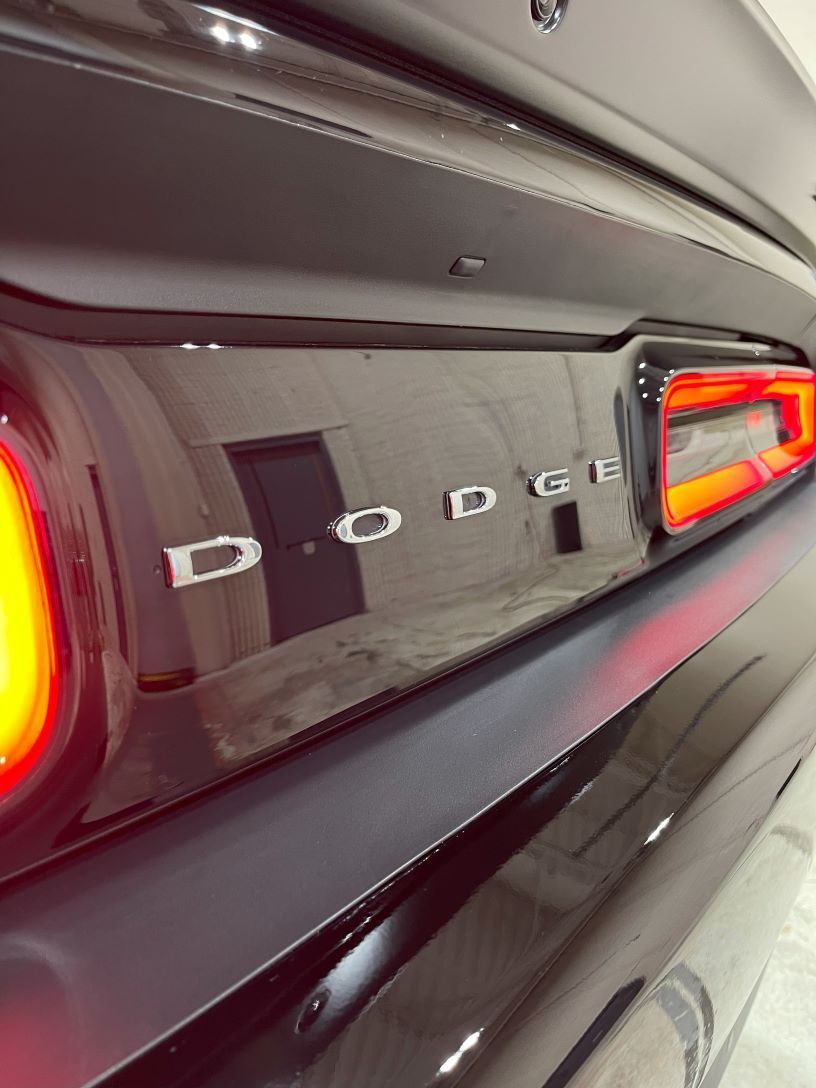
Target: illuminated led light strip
column 685, row 503
column 28, row 655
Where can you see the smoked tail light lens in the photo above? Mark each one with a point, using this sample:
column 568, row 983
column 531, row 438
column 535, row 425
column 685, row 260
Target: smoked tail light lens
column 28, row 652
column 728, row 434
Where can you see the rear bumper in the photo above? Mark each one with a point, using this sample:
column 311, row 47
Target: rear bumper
column 558, row 852
column 659, row 977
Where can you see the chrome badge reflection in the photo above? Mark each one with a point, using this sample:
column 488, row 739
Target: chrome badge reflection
column 605, row 468
column 553, row 482
column 464, row 502
column 370, row 523
column 179, row 568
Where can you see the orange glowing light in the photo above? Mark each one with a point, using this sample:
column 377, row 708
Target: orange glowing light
column 792, row 390
column 28, row 656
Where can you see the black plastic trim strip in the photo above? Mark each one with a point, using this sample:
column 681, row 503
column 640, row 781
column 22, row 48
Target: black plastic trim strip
column 53, row 317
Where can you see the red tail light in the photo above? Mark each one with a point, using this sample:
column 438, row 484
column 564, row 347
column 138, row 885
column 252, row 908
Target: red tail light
column 28, row 656
column 727, row 434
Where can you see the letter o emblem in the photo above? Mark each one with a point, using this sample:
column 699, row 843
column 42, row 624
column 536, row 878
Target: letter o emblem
column 361, row 526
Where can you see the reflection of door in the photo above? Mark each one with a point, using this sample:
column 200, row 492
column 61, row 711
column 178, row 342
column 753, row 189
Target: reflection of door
column 292, row 495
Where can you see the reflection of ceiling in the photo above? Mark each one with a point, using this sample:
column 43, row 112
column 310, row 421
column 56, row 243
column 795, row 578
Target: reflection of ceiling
column 796, row 19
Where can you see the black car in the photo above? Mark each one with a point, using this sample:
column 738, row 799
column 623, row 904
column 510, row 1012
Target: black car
column 408, row 526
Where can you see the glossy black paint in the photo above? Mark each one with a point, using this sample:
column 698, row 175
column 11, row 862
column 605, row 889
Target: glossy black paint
column 619, row 80
column 180, row 909
column 318, row 195
column 444, row 808
column 160, row 447
column 664, row 825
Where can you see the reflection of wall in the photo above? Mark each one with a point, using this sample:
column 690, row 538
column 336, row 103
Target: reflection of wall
column 387, row 427
column 401, row 427
column 292, row 495
column 156, row 495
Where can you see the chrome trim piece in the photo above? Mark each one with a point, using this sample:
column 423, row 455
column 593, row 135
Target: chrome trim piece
column 454, row 501
column 342, row 528
column 554, row 481
column 178, row 561
column 547, row 14
column 603, row 469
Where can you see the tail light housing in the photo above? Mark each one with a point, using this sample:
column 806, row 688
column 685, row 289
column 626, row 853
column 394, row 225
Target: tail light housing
column 726, row 434
column 29, row 672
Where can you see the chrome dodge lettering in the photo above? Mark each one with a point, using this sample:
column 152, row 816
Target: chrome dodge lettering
column 553, row 482
column 377, row 522
column 464, row 502
column 370, row 523
column 605, row 468
column 178, row 561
